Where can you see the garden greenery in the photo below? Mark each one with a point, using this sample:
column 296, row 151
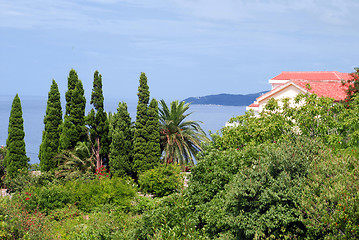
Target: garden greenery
column 290, row 173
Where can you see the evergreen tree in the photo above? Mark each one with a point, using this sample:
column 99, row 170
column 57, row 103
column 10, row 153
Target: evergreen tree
column 121, row 148
column 141, row 134
column 153, row 130
column 98, row 123
column 50, row 136
column 73, row 128
column 71, row 84
column 16, row 153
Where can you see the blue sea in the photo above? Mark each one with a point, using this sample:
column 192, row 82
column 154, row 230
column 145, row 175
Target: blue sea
column 213, row 118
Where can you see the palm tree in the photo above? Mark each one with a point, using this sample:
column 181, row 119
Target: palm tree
column 75, row 163
column 180, row 139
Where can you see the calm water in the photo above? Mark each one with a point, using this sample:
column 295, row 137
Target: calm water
column 213, row 118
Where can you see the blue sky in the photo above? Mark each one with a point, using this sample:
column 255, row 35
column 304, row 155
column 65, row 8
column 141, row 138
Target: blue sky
column 185, row 47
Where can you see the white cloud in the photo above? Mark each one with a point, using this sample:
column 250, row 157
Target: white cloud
column 191, row 24
column 194, row 15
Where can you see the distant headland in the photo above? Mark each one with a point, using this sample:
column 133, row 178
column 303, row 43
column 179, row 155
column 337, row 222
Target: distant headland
column 225, row 99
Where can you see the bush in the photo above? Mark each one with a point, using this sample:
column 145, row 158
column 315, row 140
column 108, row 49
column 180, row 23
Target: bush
column 252, row 192
column 27, row 179
column 170, row 219
column 46, row 198
column 89, row 195
column 161, row 181
column 108, row 223
column 214, row 170
column 330, row 198
column 143, row 204
column 19, row 223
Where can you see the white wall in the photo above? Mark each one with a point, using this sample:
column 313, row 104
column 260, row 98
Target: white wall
column 288, row 92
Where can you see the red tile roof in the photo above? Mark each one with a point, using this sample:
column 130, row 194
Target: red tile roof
column 324, row 84
column 334, row 90
column 318, row 76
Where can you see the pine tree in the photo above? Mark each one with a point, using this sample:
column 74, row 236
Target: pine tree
column 73, row 128
column 153, row 129
column 50, row 136
column 121, row 148
column 141, row 162
column 16, row 153
column 98, row 123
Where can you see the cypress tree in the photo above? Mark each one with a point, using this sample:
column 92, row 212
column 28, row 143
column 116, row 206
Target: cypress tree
column 71, row 84
column 16, row 153
column 121, row 148
column 78, row 114
column 153, row 129
column 141, row 134
column 98, row 123
column 50, row 136
column 73, row 128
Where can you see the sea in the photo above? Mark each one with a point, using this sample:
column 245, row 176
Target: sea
column 211, row 117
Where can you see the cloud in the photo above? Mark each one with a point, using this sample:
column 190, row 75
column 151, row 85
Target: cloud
column 185, row 25
column 184, row 16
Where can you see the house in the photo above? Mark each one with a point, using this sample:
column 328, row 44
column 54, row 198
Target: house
column 290, row 84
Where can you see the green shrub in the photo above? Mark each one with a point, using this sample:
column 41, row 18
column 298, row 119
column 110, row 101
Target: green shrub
column 89, row 195
column 27, row 179
column 19, row 222
column 170, row 219
column 143, row 204
column 330, row 198
column 46, row 198
column 108, row 223
column 161, row 181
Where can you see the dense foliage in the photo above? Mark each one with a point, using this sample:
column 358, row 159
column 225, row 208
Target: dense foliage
column 50, row 136
column 290, row 173
column 95, row 208
column 161, row 181
column 16, row 158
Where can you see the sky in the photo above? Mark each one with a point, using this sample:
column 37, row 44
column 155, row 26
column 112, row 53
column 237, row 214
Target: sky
column 186, row 47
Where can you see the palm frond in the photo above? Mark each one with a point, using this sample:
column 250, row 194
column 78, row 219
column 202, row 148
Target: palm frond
column 180, row 138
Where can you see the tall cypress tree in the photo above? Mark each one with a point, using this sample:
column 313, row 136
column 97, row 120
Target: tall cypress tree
column 16, row 153
column 121, row 148
column 153, row 130
column 73, row 128
column 141, row 134
column 50, row 136
column 98, row 123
